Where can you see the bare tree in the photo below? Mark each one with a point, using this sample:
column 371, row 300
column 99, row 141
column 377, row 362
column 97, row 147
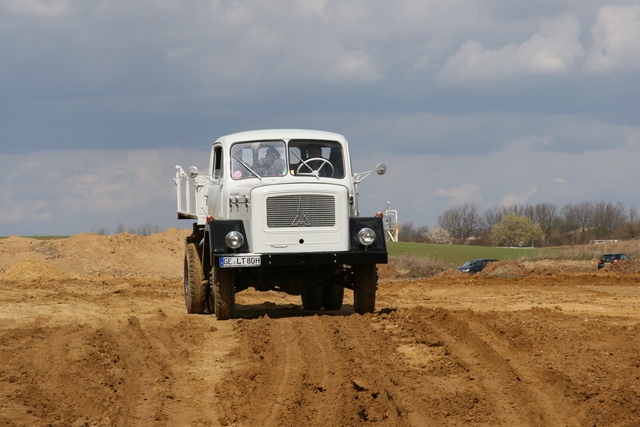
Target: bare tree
column 408, row 233
column 584, row 213
column 101, row 231
column 546, row 216
column 462, row 221
column 632, row 225
column 491, row 217
column 607, row 218
column 147, row 229
column 569, row 224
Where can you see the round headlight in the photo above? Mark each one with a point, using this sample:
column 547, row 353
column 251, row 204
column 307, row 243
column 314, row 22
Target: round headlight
column 234, row 239
column 366, row 236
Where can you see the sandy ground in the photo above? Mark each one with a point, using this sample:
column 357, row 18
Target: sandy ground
column 94, row 332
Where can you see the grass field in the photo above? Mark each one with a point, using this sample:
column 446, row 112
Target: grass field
column 455, row 255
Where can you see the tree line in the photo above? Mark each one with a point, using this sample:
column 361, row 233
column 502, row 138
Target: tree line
column 546, row 224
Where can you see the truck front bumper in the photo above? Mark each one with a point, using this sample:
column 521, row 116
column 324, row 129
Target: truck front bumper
column 318, row 258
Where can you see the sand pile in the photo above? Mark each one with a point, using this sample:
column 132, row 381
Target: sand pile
column 451, row 274
column 157, row 256
column 31, row 270
column 504, row 269
column 622, row 267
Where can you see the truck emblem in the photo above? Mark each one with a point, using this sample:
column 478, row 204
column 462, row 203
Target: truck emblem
column 301, row 219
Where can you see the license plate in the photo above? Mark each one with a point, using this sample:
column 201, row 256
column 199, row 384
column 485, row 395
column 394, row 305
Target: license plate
column 240, row 261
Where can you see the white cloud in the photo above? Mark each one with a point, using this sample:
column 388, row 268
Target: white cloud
column 43, row 8
column 267, row 44
column 616, row 40
column 460, row 194
column 117, row 183
column 31, row 209
column 552, row 50
column 518, row 197
column 64, row 192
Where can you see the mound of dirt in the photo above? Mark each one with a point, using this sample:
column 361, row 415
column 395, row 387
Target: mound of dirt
column 622, row 267
column 504, row 269
column 159, row 256
column 452, row 273
column 387, row 272
column 564, row 266
column 30, row 270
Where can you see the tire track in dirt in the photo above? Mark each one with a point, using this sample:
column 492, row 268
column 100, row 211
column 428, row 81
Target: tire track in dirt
column 288, row 364
column 547, row 403
column 477, row 371
column 513, row 401
column 135, row 371
column 145, row 385
column 318, row 370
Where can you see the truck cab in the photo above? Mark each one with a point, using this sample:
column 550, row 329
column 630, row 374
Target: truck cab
column 278, row 210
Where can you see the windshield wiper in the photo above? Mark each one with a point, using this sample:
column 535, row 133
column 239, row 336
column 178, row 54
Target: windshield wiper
column 247, row 167
column 315, row 173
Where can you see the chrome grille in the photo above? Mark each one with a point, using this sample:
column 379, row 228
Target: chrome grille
column 301, row 210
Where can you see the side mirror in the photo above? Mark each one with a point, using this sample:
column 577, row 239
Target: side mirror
column 381, row 169
column 193, row 171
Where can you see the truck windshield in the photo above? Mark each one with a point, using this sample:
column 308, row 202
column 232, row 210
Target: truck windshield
column 258, row 159
column 316, row 158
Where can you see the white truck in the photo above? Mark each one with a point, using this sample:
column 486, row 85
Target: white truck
column 278, row 210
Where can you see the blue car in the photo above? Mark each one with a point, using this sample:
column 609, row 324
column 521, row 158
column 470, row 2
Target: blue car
column 475, row 265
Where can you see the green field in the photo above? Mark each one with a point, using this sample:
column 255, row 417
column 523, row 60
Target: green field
column 454, row 255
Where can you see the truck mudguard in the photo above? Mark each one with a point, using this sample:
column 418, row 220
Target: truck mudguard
column 218, row 230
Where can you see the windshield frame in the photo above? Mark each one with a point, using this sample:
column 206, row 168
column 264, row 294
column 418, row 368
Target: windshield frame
column 246, row 159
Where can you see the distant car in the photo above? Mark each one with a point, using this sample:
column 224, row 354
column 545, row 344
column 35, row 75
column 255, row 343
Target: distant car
column 610, row 259
column 475, row 265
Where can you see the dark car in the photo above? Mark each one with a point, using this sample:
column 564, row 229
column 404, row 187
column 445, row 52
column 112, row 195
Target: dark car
column 475, row 265
column 610, row 259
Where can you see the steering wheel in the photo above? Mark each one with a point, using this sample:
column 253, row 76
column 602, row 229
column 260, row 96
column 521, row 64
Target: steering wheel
column 311, row 169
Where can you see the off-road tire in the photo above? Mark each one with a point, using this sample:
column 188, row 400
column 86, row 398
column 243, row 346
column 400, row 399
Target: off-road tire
column 332, row 296
column 312, row 298
column 365, row 285
column 195, row 286
column 224, row 292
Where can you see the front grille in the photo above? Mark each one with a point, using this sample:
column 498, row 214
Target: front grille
column 301, row 210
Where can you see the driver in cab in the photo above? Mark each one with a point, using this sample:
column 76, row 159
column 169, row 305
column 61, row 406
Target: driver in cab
column 315, row 163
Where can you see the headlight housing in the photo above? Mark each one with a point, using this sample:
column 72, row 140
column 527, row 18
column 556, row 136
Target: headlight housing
column 366, row 236
column 234, row 239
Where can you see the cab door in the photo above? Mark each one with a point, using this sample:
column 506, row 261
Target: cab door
column 217, row 174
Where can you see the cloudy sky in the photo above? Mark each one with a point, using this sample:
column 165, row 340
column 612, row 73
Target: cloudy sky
column 487, row 101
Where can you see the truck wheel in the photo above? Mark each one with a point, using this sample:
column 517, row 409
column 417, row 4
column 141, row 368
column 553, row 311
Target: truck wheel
column 224, row 292
column 312, row 298
column 332, row 296
column 365, row 284
column 195, row 287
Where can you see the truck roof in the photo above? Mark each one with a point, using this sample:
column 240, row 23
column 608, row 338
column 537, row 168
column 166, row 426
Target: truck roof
column 280, row 134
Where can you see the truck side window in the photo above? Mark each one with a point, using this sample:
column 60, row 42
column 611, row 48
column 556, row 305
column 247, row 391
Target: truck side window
column 217, row 165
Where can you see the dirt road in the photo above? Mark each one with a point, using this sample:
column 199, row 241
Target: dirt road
column 94, row 332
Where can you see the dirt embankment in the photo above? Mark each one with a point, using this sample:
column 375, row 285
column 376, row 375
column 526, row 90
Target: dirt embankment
column 93, row 332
